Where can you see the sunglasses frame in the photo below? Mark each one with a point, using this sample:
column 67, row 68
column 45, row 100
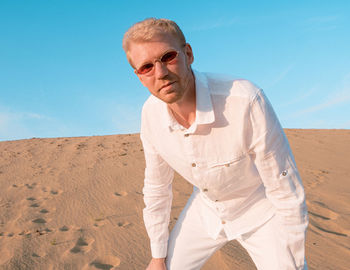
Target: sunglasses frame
column 159, row 59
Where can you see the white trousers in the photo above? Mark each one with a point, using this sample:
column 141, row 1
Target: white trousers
column 189, row 245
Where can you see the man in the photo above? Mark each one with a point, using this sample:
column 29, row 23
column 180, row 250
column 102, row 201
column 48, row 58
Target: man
column 221, row 135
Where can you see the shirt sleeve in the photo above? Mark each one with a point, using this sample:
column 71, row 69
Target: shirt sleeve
column 157, row 192
column 275, row 163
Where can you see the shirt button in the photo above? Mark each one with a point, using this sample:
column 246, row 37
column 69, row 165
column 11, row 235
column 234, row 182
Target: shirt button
column 205, row 189
column 194, row 164
column 284, row 173
column 223, row 222
column 186, row 135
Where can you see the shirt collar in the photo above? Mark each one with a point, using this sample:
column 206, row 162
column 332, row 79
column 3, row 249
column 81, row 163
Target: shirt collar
column 204, row 106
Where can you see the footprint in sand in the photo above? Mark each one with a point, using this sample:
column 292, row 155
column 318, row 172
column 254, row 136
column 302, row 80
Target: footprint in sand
column 64, row 229
column 42, row 232
column 31, row 186
column 25, row 234
column 323, row 219
column 34, row 205
column 82, row 245
column 321, row 210
column 7, row 205
column 81, row 145
column 39, row 221
column 322, row 228
column 124, row 224
column 99, row 221
column 107, row 262
column 55, row 192
column 319, row 176
column 120, row 194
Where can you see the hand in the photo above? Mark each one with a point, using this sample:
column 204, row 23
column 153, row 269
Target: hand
column 157, row 264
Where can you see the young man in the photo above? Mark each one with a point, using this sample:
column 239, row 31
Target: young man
column 222, row 135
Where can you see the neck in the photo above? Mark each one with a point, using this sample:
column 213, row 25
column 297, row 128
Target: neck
column 184, row 110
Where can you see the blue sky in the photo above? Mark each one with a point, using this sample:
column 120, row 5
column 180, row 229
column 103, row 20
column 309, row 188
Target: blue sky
column 63, row 72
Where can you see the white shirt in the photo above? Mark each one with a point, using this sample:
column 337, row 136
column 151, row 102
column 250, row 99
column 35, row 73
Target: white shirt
column 235, row 154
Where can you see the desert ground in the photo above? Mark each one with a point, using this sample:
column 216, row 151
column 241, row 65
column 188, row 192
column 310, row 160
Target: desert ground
column 76, row 203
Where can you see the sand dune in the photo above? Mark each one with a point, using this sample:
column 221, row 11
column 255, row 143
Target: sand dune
column 76, row 203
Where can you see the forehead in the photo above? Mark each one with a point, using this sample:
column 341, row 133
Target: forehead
column 144, row 51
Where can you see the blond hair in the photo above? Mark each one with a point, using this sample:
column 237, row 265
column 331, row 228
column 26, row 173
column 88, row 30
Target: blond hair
column 147, row 29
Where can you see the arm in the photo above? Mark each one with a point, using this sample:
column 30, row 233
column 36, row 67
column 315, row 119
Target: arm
column 157, row 192
column 156, row 264
column 276, row 166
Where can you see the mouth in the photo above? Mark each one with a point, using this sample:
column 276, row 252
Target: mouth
column 166, row 85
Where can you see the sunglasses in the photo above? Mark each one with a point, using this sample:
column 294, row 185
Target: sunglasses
column 148, row 68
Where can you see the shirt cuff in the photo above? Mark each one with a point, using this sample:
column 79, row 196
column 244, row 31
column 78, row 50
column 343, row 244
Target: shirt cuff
column 159, row 250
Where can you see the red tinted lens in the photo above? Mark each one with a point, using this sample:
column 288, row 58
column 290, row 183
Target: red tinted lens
column 168, row 57
column 145, row 68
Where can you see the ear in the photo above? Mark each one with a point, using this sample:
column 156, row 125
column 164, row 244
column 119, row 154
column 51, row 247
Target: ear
column 189, row 54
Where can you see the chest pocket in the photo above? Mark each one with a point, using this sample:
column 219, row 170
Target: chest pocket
column 233, row 173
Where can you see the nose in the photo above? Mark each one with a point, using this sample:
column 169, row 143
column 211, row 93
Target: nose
column 161, row 70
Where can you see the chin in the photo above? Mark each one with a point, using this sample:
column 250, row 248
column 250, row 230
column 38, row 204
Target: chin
column 170, row 98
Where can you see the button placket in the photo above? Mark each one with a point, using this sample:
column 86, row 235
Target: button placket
column 187, row 140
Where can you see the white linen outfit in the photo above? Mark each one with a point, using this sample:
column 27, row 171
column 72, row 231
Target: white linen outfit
column 239, row 161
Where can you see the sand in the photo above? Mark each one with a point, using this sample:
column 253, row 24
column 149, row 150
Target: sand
column 76, row 203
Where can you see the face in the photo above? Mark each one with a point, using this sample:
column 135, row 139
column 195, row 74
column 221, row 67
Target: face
column 168, row 81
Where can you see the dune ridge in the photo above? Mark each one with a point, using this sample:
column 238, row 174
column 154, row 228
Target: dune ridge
column 76, row 203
